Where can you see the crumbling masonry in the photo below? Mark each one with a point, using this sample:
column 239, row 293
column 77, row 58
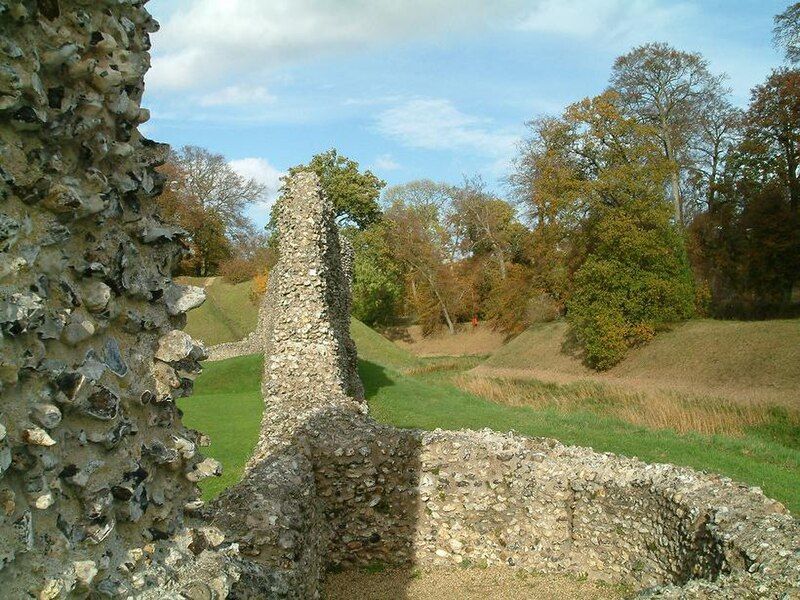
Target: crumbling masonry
column 329, row 487
column 97, row 474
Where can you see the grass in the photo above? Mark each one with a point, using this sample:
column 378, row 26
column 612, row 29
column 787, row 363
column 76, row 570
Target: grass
column 681, row 412
column 227, row 405
column 227, row 314
column 746, row 362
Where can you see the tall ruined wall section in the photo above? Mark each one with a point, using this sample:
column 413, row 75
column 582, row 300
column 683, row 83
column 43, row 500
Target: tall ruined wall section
column 94, row 461
column 310, row 360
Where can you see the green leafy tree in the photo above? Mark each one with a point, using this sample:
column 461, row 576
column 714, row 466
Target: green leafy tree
column 378, row 278
column 635, row 278
column 354, row 193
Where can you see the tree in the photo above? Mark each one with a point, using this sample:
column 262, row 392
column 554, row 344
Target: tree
column 208, row 199
column 354, row 194
column 419, row 240
column 486, row 225
column 547, row 185
column 378, row 278
column 719, row 130
column 773, row 121
column 669, row 90
column 211, row 183
column 631, row 274
column 787, row 32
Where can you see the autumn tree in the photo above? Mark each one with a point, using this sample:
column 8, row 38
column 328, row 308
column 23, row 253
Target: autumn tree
column 787, row 32
column 746, row 247
column 207, row 198
column 486, row 225
column 421, row 242
column 213, row 185
column 669, row 90
column 354, row 193
column 773, row 121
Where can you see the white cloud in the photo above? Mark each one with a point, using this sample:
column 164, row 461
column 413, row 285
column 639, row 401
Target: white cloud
column 385, row 162
column 263, row 172
column 207, row 44
column 237, row 95
column 204, row 41
column 435, row 124
column 625, row 20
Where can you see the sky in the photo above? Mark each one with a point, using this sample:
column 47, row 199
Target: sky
column 411, row 89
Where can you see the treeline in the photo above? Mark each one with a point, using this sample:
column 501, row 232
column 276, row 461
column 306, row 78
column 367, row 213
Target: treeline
column 209, row 199
column 652, row 202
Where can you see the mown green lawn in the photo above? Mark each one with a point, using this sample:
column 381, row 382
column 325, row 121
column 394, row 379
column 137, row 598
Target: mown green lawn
column 227, row 406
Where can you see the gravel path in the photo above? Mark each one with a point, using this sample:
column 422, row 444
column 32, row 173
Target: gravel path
column 462, row 584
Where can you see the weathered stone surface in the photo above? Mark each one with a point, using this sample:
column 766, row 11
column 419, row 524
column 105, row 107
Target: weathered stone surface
column 85, row 297
column 183, row 298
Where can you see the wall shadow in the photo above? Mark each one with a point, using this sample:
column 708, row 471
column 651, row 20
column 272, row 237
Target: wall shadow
column 373, row 377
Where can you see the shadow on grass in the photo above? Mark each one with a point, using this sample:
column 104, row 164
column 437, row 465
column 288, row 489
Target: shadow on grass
column 374, row 377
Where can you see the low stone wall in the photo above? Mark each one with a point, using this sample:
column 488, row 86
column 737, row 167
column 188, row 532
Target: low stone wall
column 330, row 487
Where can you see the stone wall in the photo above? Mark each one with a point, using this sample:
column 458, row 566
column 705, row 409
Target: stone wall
column 329, row 487
column 94, row 461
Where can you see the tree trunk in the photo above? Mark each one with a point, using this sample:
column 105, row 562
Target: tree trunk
column 502, row 262
column 675, row 181
column 794, row 182
column 450, row 327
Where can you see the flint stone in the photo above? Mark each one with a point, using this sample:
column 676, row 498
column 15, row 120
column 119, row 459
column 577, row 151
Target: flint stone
column 183, row 298
column 208, row 468
column 175, row 346
column 36, row 436
column 47, row 415
column 96, row 296
column 79, row 330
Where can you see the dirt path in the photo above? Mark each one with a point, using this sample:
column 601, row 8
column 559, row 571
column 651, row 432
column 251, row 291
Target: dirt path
column 464, row 584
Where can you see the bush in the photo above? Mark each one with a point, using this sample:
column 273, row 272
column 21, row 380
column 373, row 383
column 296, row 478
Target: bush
column 635, row 282
column 258, row 288
column 542, row 308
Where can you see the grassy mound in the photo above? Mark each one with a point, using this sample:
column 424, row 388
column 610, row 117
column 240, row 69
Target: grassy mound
column 409, row 392
column 227, row 314
column 749, row 361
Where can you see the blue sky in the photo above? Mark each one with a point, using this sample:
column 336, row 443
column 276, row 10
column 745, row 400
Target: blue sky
column 412, row 88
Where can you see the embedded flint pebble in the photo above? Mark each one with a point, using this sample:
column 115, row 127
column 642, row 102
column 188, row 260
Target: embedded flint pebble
column 78, row 330
column 102, row 404
column 47, row 415
column 112, row 357
column 37, row 436
column 183, row 298
column 96, row 296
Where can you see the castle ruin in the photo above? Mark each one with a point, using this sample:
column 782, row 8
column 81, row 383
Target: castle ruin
column 98, row 494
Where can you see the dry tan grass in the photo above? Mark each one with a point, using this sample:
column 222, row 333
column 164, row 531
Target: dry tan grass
column 743, row 362
column 467, row 341
column 656, row 410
